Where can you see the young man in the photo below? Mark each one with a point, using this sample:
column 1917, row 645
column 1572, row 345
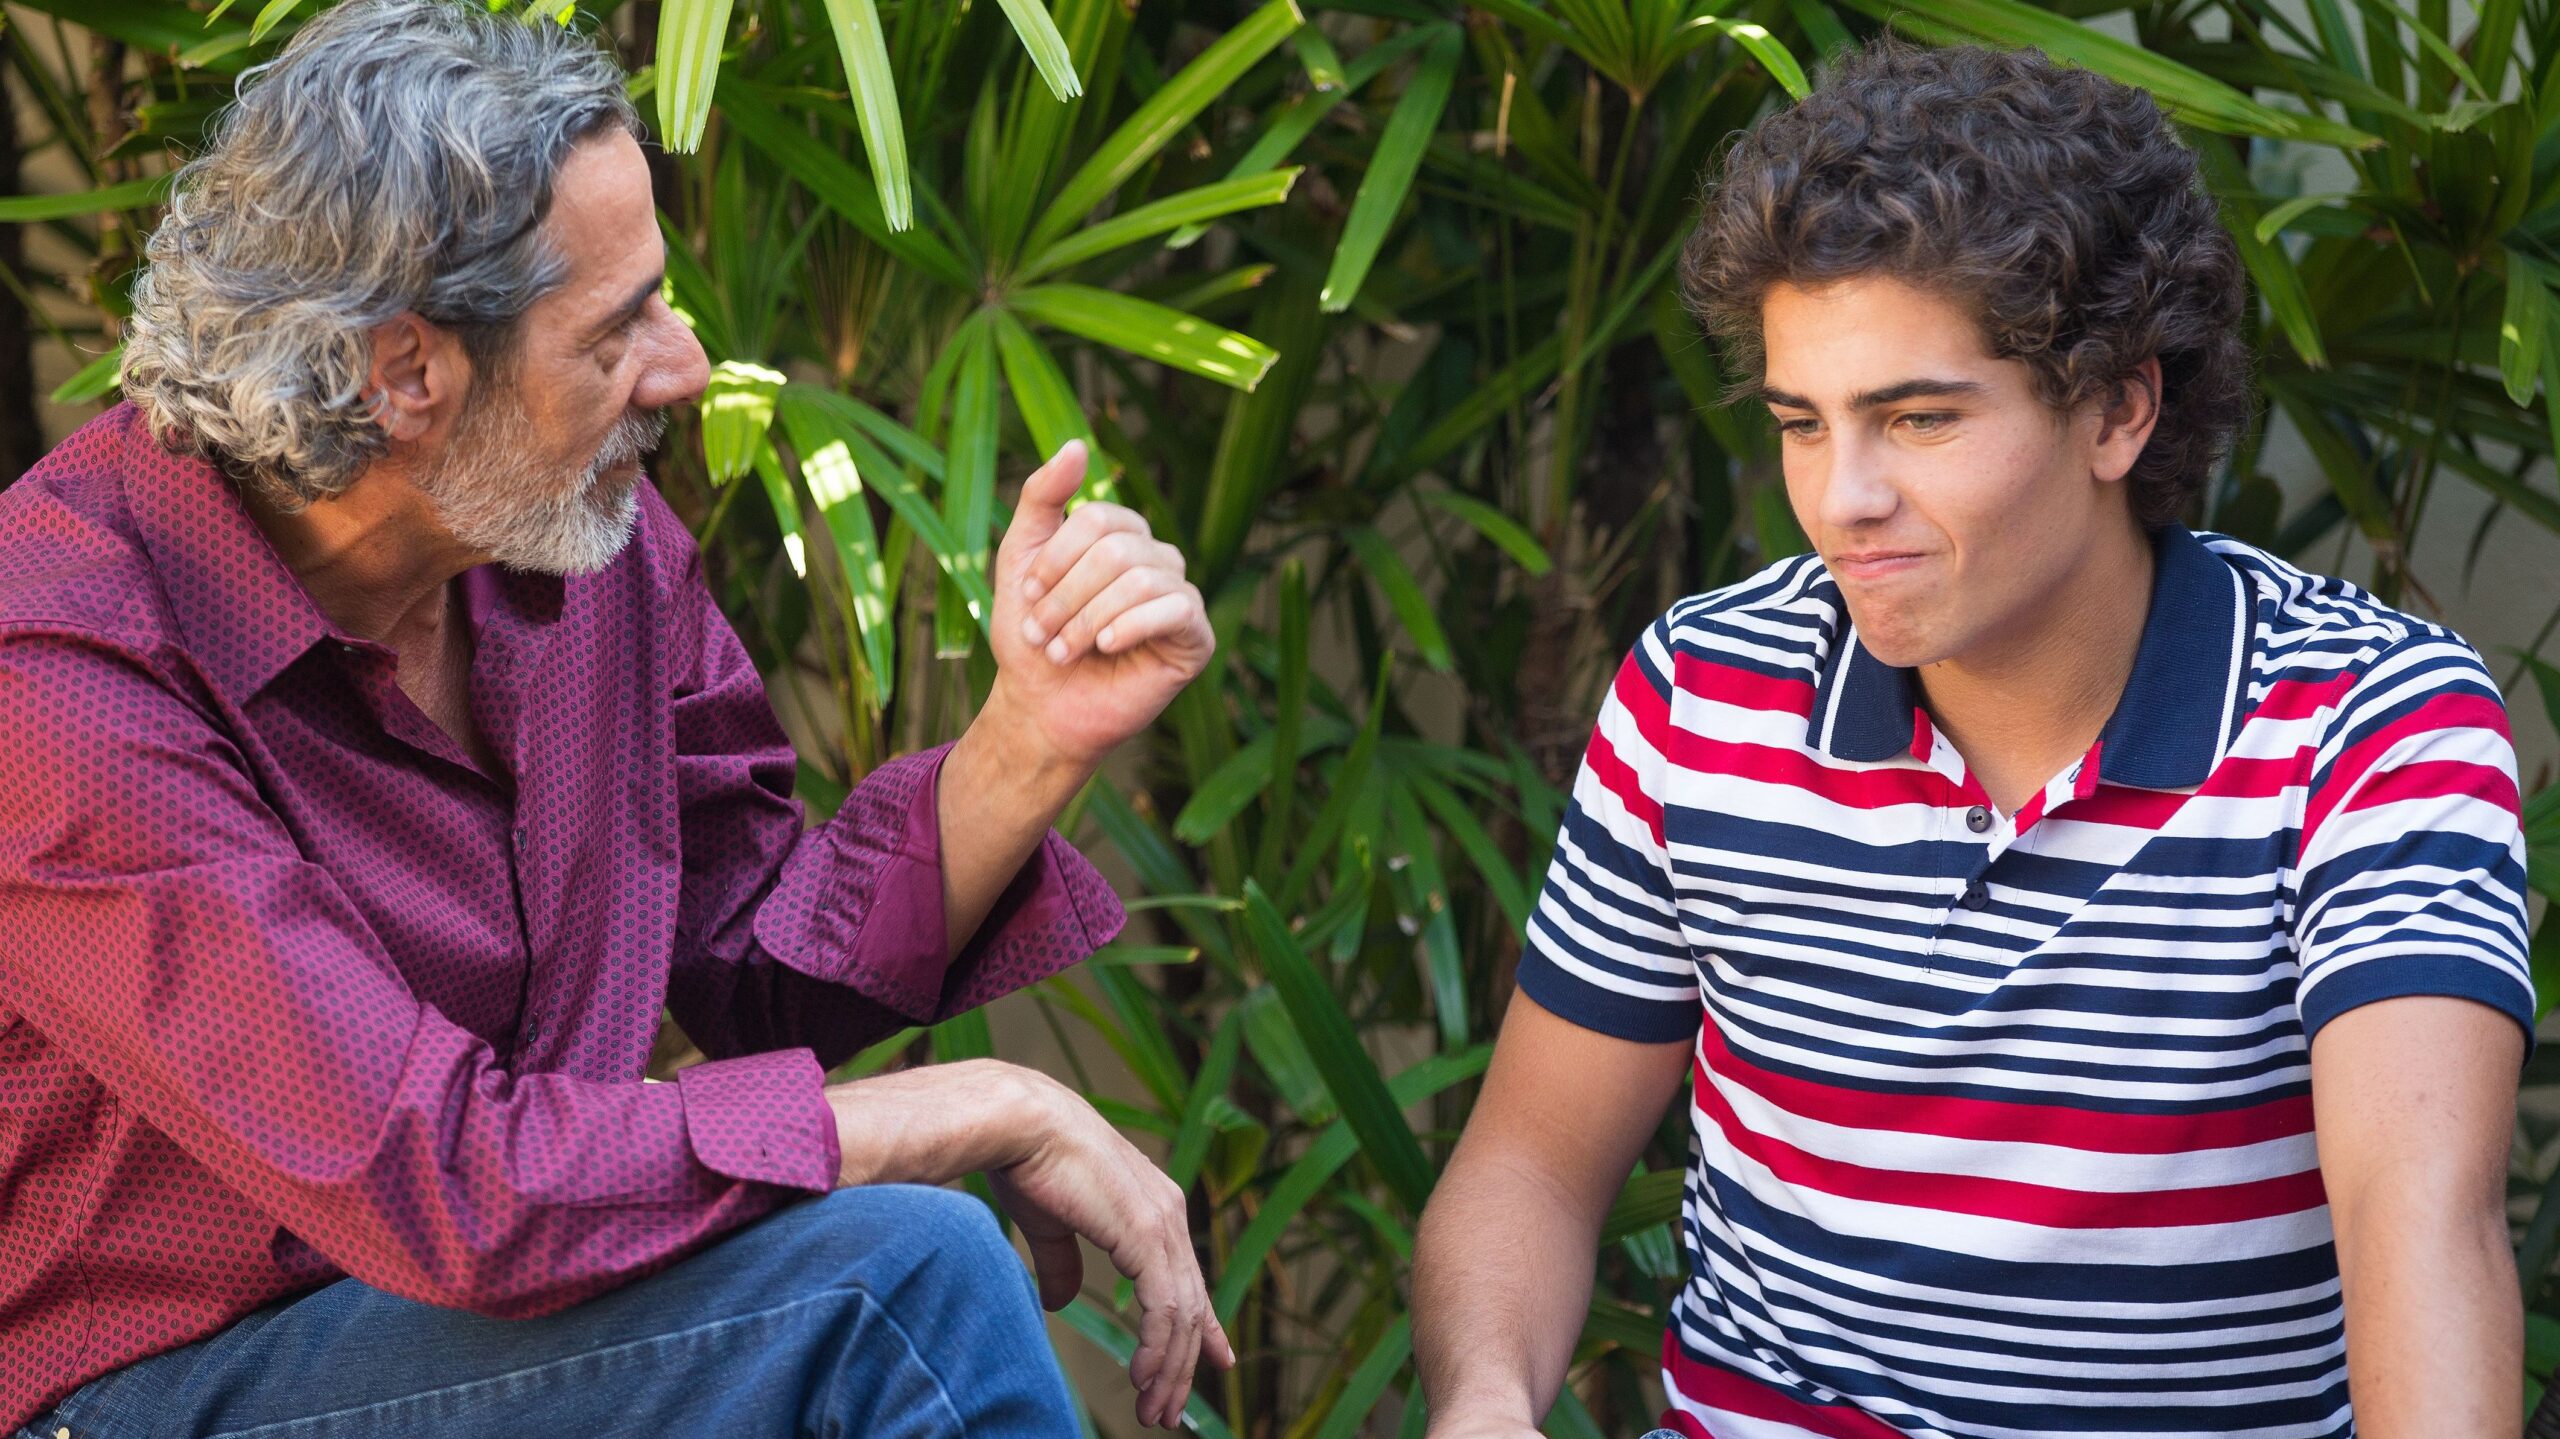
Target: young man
column 2096, row 950
column 375, row 769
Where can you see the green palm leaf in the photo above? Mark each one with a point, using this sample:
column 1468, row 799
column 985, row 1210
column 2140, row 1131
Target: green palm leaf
column 690, row 36
column 875, row 103
column 2191, row 95
column 1149, row 331
column 1163, row 115
column 1391, row 169
column 1047, row 47
column 1349, row 1074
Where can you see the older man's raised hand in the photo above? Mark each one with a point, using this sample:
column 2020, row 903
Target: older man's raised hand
column 1095, row 628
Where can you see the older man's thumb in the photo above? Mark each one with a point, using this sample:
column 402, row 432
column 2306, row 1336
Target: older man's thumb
column 1043, row 506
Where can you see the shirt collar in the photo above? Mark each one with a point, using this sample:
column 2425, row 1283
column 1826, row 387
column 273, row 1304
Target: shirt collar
column 2179, row 704
column 241, row 612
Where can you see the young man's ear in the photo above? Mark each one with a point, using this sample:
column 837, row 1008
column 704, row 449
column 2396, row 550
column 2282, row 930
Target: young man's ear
column 418, row 379
column 2125, row 424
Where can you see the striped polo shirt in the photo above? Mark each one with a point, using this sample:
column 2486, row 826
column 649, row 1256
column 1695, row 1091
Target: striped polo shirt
column 2002, row 1124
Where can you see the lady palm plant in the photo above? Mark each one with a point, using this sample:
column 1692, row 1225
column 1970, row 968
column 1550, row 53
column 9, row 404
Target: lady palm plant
column 1366, row 306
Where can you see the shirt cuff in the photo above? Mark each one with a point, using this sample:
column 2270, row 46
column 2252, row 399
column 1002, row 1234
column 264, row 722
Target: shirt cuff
column 871, row 917
column 762, row 1117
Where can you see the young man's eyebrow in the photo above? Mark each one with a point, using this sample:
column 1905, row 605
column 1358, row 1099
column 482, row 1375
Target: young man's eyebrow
column 1870, row 399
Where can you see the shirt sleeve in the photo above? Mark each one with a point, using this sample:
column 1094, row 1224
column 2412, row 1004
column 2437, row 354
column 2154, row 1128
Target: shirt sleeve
column 833, row 938
column 1604, row 947
column 2412, row 863
column 159, row 923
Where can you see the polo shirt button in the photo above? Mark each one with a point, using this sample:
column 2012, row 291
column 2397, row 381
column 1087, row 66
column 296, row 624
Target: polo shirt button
column 1974, row 896
column 1978, row 818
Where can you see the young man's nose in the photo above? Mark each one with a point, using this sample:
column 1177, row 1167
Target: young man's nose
column 1857, row 489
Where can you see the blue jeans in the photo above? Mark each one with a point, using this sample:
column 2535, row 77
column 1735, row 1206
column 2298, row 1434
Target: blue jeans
column 892, row 1311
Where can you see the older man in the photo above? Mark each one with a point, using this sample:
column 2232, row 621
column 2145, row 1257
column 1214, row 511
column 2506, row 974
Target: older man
column 374, row 765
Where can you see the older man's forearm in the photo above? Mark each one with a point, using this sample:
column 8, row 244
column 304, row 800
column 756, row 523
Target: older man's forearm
column 999, row 791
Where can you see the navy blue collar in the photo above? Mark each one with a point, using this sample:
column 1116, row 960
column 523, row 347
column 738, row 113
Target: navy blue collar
column 2179, row 705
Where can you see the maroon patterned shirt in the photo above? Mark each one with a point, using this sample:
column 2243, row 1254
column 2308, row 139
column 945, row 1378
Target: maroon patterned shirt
column 290, row 990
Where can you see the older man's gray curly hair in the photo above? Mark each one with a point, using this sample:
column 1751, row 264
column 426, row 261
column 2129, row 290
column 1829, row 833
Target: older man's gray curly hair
column 398, row 156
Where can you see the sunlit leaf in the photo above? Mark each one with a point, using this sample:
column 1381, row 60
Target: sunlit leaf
column 1048, row 49
column 825, row 445
column 875, row 102
column 690, row 36
column 1149, row 331
column 737, row 409
column 1190, row 207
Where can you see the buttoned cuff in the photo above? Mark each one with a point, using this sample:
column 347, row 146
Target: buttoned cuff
column 762, row 1117
column 871, row 918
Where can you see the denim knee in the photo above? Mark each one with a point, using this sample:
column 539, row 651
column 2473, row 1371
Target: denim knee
column 942, row 1239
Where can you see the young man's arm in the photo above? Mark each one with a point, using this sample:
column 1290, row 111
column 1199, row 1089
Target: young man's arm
column 1503, row 1262
column 2415, row 1100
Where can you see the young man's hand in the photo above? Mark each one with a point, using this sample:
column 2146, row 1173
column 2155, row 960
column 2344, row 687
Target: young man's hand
column 1095, row 628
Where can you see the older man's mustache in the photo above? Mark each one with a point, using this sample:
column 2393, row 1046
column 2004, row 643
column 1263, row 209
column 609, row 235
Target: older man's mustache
column 632, row 437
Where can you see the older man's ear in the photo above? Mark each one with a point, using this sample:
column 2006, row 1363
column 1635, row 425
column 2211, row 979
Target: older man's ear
column 419, row 377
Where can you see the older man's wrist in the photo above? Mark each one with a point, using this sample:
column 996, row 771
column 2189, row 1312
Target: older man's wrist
column 1008, row 738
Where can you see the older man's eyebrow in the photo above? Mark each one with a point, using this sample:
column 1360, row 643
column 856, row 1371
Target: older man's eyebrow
column 1870, row 399
column 623, row 313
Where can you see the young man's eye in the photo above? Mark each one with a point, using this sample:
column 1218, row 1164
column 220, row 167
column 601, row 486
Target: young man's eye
column 1929, row 421
column 1799, row 429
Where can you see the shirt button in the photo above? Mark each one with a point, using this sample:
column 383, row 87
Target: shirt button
column 1977, row 818
column 1974, row 896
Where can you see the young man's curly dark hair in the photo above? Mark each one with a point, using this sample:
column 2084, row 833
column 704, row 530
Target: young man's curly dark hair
column 2057, row 205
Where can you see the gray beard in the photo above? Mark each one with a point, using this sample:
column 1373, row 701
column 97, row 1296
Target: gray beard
column 495, row 499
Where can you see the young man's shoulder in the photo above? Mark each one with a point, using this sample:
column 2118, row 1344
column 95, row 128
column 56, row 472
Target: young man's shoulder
column 1777, row 620
column 2308, row 626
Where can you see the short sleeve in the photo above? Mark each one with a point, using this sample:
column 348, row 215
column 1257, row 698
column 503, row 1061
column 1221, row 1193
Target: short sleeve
column 2412, row 864
column 1604, row 946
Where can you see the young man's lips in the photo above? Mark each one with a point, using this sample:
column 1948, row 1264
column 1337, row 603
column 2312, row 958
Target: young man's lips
column 1874, row 564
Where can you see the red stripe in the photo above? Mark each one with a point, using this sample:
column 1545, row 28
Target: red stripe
column 2450, row 711
column 2031, row 811
column 2301, row 699
column 1745, row 689
column 1792, row 767
column 2117, row 804
column 2238, row 777
column 2046, row 1206
column 1620, row 779
column 2440, row 779
column 1717, row 1387
column 1644, row 704
column 2000, row 1121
